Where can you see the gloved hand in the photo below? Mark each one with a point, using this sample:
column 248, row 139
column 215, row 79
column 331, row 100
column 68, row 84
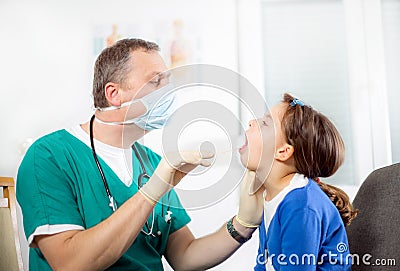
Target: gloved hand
column 170, row 171
column 251, row 201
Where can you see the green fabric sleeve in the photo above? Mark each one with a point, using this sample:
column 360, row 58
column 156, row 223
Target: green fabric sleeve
column 44, row 190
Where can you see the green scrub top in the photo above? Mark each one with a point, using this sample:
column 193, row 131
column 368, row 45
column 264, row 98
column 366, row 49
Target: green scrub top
column 58, row 182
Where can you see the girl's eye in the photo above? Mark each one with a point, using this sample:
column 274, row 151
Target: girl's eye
column 156, row 82
column 265, row 123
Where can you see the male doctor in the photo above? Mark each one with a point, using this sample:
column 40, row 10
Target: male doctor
column 85, row 209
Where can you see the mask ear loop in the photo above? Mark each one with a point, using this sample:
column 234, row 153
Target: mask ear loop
column 115, row 107
column 109, row 108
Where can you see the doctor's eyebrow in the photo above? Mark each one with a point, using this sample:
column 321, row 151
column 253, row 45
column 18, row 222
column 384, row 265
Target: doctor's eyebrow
column 163, row 74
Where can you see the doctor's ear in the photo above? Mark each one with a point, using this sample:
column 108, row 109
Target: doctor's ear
column 111, row 92
column 284, row 152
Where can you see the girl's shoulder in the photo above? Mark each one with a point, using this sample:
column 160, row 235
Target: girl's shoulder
column 308, row 197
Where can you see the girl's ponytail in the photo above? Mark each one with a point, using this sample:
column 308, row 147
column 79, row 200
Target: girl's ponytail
column 341, row 200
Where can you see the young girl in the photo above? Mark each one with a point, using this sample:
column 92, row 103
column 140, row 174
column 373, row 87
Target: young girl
column 304, row 219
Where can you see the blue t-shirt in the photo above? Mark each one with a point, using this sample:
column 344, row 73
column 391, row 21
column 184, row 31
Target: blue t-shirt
column 305, row 233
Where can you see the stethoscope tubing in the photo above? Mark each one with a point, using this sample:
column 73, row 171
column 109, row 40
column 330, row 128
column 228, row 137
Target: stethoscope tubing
column 113, row 203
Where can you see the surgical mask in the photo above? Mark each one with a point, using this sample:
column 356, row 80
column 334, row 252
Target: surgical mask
column 158, row 105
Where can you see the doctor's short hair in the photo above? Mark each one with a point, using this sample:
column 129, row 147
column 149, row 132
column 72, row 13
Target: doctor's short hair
column 113, row 64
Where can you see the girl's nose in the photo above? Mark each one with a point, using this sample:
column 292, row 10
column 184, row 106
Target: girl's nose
column 251, row 123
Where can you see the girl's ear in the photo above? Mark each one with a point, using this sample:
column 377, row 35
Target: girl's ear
column 284, row 152
column 112, row 94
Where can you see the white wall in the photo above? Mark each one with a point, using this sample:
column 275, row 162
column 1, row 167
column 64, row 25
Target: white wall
column 47, row 57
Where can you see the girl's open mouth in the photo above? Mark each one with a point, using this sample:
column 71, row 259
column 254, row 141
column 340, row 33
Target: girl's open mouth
column 241, row 149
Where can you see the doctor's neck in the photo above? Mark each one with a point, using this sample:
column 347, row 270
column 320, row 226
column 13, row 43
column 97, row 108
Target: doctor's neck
column 120, row 136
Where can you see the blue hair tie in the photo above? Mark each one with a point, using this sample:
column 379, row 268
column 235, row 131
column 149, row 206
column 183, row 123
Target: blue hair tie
column 296, row 101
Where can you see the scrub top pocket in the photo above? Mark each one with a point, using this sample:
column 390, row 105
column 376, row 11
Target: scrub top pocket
column 161, row 229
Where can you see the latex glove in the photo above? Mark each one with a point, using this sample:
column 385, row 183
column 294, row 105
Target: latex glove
column 170, row 172
column 251, row 201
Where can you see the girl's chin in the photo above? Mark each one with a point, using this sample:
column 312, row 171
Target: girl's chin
column 244, row 159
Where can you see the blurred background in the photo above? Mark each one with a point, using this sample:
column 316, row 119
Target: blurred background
column 340, row 56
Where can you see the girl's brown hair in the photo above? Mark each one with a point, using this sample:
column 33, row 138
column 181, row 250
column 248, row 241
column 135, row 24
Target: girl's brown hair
column 318, row 150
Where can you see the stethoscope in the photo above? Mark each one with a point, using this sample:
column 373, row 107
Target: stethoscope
column 113, row 204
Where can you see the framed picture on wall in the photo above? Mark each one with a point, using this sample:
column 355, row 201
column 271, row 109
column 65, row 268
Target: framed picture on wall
column 179, row 39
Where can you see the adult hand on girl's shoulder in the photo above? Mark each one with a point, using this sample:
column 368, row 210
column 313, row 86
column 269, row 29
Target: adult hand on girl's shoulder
column 251, row 201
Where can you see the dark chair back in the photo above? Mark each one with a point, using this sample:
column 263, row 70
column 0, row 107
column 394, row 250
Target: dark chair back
column 374, row 235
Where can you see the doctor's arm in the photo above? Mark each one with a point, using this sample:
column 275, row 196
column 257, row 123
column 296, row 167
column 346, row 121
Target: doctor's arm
column 184, row 252
column 99, row 247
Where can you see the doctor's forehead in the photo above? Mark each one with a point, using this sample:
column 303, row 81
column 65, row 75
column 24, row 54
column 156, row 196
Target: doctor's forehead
column 147, row 63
